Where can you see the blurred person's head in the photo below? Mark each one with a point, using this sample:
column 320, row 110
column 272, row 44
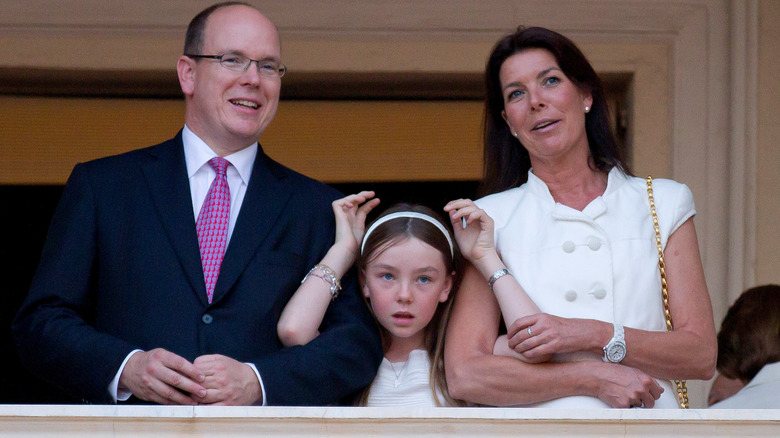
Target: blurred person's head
column 749, row 336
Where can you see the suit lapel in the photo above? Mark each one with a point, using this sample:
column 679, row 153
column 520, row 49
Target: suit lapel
column 166, row 174
column 265, row 199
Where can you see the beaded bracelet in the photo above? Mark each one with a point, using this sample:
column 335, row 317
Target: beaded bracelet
column 329, row 277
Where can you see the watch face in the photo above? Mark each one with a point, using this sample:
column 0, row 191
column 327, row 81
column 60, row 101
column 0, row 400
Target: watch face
column 616, row 352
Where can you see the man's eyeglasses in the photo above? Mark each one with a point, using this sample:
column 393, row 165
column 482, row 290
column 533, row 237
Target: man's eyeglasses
column 241, row 63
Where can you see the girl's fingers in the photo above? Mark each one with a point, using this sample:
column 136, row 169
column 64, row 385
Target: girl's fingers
column 470, row 214
column 349, row 203
column 358, row 198
column 457, row 203
column 366, row 208
column 456, row 213
column 361, row 197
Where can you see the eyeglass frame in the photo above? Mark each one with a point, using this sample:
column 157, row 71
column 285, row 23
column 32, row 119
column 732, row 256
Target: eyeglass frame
column 280, row 71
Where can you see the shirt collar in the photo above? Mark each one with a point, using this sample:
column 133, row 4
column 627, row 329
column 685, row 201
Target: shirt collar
column 768, row 373
column 197, row 153
column 594, row 209
column 615, row 179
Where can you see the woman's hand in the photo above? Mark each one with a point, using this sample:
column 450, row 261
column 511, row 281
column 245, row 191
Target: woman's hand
column 351, row 220
column 501, row 348
column 543, row 334
column 475, row 240
column 625, row 387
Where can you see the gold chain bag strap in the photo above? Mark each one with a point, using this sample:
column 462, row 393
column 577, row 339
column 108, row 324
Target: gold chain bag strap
column 682, row 390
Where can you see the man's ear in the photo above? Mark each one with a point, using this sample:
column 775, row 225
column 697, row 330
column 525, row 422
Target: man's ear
column 185, row 68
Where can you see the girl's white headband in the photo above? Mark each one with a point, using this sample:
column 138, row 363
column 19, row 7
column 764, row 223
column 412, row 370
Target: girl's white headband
column 409, row 214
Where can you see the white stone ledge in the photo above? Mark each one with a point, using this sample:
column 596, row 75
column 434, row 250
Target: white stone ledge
column 165, row 421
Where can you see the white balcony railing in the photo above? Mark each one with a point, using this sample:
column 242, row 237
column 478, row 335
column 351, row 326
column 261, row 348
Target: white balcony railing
column 165, row 421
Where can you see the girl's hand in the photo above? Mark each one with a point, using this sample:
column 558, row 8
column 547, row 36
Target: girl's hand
column 476, row 239
column 351, row 220
column 304, row 312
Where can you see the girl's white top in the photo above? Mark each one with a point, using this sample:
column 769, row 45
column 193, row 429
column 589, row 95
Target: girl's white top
column 403, row 383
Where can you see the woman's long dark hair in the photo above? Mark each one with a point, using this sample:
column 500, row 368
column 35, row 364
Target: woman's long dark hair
column 506, row 160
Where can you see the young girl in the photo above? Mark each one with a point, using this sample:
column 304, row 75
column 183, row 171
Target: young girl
column 407, row 270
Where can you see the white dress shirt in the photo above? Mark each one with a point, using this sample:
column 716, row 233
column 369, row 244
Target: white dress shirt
column 197, row 155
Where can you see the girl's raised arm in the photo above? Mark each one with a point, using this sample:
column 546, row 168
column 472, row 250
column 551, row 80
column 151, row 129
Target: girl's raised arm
column 304, row 312
column 474, row 234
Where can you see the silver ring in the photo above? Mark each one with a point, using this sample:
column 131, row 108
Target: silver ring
column 530, row 333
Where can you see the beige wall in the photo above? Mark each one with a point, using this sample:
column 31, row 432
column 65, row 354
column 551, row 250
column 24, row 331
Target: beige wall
column 768, row 149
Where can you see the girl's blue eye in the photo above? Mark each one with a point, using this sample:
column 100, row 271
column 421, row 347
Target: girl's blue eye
column 424, row 280
column 387, row 276
column 551, row 80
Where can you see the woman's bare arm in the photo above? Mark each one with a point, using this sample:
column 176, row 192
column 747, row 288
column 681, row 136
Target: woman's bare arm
column 476, row 375
column 689, row 352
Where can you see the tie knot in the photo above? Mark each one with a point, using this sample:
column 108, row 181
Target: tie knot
column 219, row 165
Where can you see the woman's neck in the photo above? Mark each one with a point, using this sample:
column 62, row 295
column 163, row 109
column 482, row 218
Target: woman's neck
column 572, row 185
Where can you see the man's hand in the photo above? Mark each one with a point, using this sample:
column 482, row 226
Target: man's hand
column 228, row 381
column 163, row 377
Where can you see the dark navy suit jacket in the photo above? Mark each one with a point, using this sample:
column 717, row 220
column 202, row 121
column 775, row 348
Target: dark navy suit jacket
column 121, row 270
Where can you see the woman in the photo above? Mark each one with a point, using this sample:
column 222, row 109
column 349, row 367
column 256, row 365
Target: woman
column 575, row 230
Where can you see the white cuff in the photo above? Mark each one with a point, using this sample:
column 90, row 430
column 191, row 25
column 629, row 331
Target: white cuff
column 116, row 393
column 259, row 379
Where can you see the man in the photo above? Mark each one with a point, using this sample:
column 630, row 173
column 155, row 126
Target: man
column 166, row 269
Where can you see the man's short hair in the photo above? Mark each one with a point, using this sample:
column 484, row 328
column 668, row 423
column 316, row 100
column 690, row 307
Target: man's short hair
column 193, row 41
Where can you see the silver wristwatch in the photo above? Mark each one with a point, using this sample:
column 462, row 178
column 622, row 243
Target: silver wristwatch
column 615, row 350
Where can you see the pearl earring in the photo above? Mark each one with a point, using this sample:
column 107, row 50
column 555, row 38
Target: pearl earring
column 514, row 133
column 587, row 109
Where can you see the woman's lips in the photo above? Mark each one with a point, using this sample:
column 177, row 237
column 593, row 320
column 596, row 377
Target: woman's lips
column 543, row 125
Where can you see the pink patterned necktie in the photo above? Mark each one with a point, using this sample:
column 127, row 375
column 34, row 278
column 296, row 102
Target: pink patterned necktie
column 212, row 225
